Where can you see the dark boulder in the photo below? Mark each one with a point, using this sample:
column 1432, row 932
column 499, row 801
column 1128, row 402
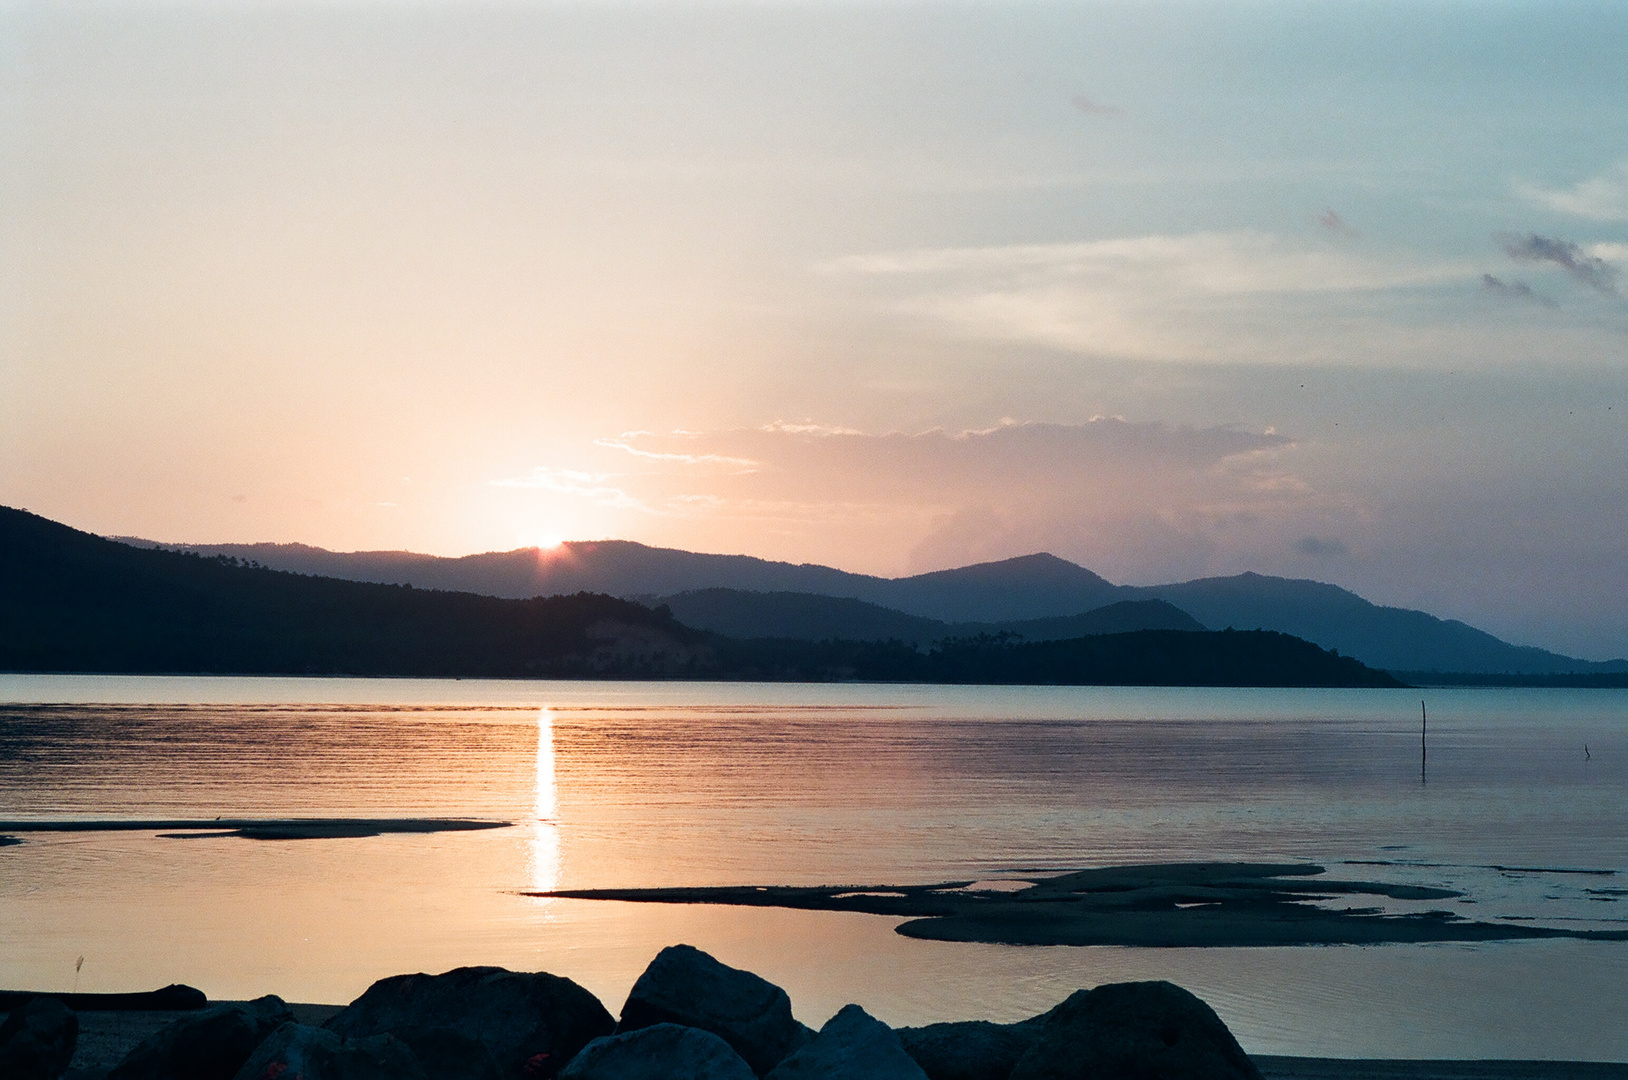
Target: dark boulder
column 300, row 1052
column 852, row 1045
column 211, row 1044
column 446, row 1054
column 683, row 985
column 659, row 1052
column 175, row 997
column 37, row 1040
column 971, row 1049
column 530, row 1023
column 1135, row 1031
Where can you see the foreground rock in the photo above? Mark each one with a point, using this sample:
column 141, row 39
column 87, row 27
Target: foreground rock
column 530, row 1024
column 209, row 1045
column 301, row 1052
column 446, row 1054
column 852, row 1045
column 659, row 1052
column 37, row 1040
column 175, row 997
column 1135, row 1031
column 683, row 985
column 971, row 1049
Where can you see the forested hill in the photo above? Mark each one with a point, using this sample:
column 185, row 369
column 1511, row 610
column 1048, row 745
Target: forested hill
column 70, row 601
column 73, row 602
column 1138, row 658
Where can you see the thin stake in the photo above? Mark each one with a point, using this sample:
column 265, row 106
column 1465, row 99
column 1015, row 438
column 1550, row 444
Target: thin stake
column 1424, row 723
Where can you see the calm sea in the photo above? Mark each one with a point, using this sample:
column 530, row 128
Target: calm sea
column 723, row 783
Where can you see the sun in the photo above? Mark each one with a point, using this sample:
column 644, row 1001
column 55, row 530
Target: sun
column 549, row 541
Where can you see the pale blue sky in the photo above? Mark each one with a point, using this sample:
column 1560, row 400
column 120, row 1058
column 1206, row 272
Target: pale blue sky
column 890, row 286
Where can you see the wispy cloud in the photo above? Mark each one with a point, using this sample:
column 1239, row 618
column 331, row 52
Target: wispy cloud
column 1238, row 263
column 1588, row 270
column 1092, row 107
column 808, row 427
column 1513, row 290
column 588, row 485
column 1244, row 297
column 625, row 444
column 1603, row 197
column 1137, row 499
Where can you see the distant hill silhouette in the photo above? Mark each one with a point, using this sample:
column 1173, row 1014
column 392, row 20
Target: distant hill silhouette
column 1028, row 587
column 70, row 601
column 617, row 567
column 742, row 614
column 1395, row 639
column 1033, row 587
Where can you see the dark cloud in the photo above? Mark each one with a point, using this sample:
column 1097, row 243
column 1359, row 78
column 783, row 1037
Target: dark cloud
column 1092, row 107
column 1334, row 223
column 1513, row 290
column 1588, row 270
column 1320, row 546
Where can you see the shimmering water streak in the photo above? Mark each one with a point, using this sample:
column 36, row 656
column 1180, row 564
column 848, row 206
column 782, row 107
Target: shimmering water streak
column 545, row 844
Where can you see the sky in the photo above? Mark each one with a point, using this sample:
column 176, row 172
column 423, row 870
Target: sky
column 1325, row 290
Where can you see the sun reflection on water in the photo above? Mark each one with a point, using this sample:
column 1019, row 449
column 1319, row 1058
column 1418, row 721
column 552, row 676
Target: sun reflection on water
column 545, row 843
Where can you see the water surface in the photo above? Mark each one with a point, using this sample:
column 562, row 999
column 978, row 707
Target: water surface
column 627, row 784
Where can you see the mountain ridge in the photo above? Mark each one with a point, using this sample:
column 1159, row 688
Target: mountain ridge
column 1025, row 588
column 739, row 613
column 74, row 602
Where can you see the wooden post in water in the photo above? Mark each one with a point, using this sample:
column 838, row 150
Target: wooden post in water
column 1424, row 723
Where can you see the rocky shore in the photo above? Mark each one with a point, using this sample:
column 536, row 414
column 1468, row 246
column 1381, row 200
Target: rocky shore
column 688, row 1017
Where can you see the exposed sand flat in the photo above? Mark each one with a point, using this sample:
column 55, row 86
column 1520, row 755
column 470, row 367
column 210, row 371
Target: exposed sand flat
column 256, row 828
column 1169, row 905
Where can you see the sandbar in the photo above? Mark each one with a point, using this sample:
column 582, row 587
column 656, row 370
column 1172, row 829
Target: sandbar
column 1166, row 905
column 257, row 828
